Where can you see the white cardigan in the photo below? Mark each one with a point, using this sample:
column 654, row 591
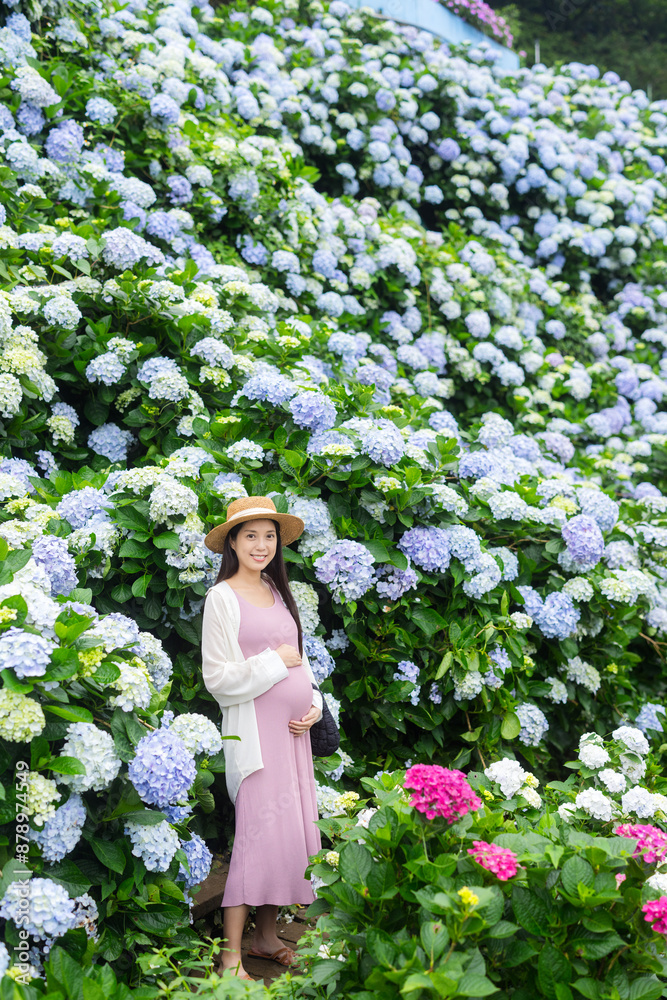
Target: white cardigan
column 235, row 682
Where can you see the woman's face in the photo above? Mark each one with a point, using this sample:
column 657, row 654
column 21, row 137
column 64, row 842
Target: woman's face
column 255, row 538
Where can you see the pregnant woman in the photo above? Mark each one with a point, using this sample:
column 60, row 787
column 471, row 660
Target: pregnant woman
column 255, row 666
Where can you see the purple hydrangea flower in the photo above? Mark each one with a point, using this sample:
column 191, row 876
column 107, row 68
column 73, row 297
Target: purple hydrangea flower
column 347, row 568
column 427, row 547
column 270, row 386
column 65, row 142
column 26, row 654
column 313, row 410
column 62, row 832
column 321, row 661
column 585, row 544
column 110, row 441
column 79, row 506
column 199, row 861
column 393, row 582
column 51, row 552
column 162, row 770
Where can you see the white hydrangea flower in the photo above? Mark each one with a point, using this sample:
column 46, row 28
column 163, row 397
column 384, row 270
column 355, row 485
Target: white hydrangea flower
column 595, row 804
column 41, row 794
column 593, row 756
column 198, row 733
column 632, row 767
column 612, row 780
column 508, row 774
column 633, row 739
column 638, row 801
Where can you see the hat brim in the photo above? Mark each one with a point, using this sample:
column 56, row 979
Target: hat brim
column 290, row 529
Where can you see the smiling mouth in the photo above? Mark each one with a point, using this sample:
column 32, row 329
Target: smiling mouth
column 259, row 558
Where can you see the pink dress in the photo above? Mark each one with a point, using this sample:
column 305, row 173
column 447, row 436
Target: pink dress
column 276, row 806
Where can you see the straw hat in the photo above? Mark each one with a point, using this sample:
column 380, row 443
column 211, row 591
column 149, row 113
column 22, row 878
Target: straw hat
column 247, row 509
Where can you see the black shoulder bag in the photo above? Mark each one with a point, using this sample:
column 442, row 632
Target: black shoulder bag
column 324, row 735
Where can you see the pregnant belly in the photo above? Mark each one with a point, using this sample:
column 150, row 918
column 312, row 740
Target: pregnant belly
column 288, row 699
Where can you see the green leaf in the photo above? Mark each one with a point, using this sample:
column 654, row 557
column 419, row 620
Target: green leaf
column 428, row 620
column 294, row 458
column 589, row 988
column 454, row 633
column 377, row 549
column 473, row 985
column 595, row 945
column 381, row 880
column 140, row 585
column 530, row 911
column 355, row 863
column 74, row 713
column 445, row 665
column 552, row 968
column 434, row 938
column 575, row 870
column 110, row 853
column 381, row 946
column 167, row 540
column 646, row 988
column 67, row 765
column 510, row 726
column 64, row 972
column 503, row 929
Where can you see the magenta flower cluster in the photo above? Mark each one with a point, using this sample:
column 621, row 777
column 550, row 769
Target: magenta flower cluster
column 499, row 860
column 439, row 791
column 482, row 16
column 651, row 841
column 656, row 914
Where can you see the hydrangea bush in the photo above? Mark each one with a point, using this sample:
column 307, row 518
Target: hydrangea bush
column 302, row 251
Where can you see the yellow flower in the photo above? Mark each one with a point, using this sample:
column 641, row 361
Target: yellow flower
column 332, row 858
column 7, row 615
column 487, row 794
column 468, row 898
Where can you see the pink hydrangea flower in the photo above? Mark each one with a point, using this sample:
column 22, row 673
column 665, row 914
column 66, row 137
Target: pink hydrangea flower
column 656, row 914
column 651, row 841
column 620, row 877
column 499, row 860
column 438, row 791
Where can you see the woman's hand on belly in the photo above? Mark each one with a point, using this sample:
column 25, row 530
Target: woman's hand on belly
column 300, row 726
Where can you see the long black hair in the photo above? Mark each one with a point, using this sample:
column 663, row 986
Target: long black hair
column 275, row 569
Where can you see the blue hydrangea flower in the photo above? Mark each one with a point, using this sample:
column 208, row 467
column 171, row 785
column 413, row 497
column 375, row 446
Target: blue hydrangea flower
column 648, row 717
column 393, row 582
column 79, row 506
column 165, row 109
column 383, row 443
column 409, row 671
column 100, row 110
column 270, row 386
column 533, row 724
column 427, row 547
column 585, row 544
column 26, row 654
column 51, row 552
column 162, row 770
column 347, row 569
column 199, row 861
column 110, row 441
column 50, row 911
column 62, row 832
column 65, row 142
column 313, row 410
column 155, row 844
column 105, row 368
column 321, row 661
